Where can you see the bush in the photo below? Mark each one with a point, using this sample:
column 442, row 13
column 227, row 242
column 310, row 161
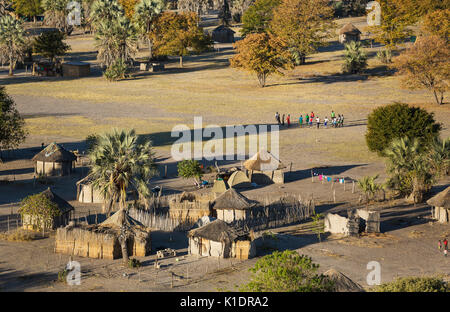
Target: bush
column 116, row 71
column 414, row 284
column 355, row 58
column 399, row 120
column 19, row 235
column 287, row 271
column 41, row 209
column 190, row 169
column 62, row 276
column 134, row 263
column 385, row 56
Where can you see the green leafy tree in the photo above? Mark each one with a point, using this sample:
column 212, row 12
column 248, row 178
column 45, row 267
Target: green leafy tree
column 286, row 271
column 426, row 65
column 414, row 284
column 51, row 44
column 12, row 131
column 40, row 209
column 121, row 163
column 355, row 59
column 257, row 17
column 399, row 120
column 190, row 169
column 263, row 54
column 303, row 24
column 179, row 34
column 28, row 8
column 318, row 225
column 12, row 41
column 145, row 14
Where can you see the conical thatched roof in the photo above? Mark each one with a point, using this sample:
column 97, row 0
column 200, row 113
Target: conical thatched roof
column 63, row 205
column 120, row 218
column 54, row 153
column 238, row 179
column 223, row 28
column 342, row 283
column 263, row 161
column 231, row 199
column 349, row 29
column 441, row 200
column 217, row 231
column 219, row 186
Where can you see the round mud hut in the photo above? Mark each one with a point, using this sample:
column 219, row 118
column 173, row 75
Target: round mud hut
column 441, row 206
column 223, row 34
column 349, row 33
column 86, row 193
column 54, row 160
column 232, row 206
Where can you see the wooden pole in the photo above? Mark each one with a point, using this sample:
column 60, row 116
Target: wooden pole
column 353, row 187
column 8, row 223
column 334, row 195
column 312, row 176
column 165, row 171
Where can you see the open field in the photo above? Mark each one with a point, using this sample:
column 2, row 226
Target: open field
column 67, row 110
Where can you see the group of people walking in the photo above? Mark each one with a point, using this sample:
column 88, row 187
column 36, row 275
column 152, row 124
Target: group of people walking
column 443, row 246
column 312, row 119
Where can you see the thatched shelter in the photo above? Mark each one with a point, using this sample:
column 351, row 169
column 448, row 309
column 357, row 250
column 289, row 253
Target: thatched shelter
column 190, row 206
column 342, row 283
column 101, row 241
column 76, row 69
column 441, row 206
column 239, row 180
column 54, row 160
column 219, row 186
column 217, row 239
column 30, row 222
column 86, row 193
column 349, row 33
column 223, row 34
column 232, row 206
column 265, row 168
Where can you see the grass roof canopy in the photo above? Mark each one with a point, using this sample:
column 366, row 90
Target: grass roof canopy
column 54, row 153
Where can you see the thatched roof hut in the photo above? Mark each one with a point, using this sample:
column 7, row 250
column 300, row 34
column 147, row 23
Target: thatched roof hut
column 86, row 193
column 232, row 206
column 342, row 283
column 219, row 186
column 101, row 241
column 54, row 160
column 30, row 222
column 239, row 180
column 349, row 33
column 263, row 161
column 223, row 34
column 441, row 206
column 218, row 239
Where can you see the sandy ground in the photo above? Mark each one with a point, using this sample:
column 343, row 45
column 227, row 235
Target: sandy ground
column 67, row 110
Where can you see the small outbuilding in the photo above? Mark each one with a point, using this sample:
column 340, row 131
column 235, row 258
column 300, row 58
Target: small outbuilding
column 441, row 206
column 264, row 168
column 223, row 34
column 86, row 193
column 192, row 206
column 232, row 206
column 218, row 239
column 349, row 33
column 54, row 160
column 76, row 69
column 31, row 222
column 239, row 180
column 353, row 222
column 102, row 241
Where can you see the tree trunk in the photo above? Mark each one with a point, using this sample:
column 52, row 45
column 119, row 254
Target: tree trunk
column 262, row 79
column 181, row 61
column 437, row 98
column 123, row 246
column 11, row 66
column 150, row 50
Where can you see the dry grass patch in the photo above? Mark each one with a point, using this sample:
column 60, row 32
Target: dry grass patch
column 19, row 235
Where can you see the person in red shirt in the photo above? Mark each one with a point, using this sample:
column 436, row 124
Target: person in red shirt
column 312, row 115
column 288, row 120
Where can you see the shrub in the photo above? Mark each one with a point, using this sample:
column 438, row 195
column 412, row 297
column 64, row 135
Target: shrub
column 286, row 271
column 116, row 71
column 134, row 263
column 41, row 209
column 414, row 284
column 368, row 185
column 190, row 169
column 355, row 58
column 62, row 276
column 399, row 120
column 19, row 235
column 385, row 56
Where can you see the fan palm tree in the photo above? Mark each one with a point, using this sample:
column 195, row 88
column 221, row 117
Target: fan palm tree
column 355, row 58
column 368, row 185
column 55, row 13
column 145, row 12
column 12, row 41
column 120, row 164
column 105, row 10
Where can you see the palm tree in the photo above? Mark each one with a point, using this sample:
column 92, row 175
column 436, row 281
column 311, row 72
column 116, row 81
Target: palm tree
column 55, row 13
column 355, row 58
column 410, row 168
column 145, row 12
column 120, row 164
column 12, row 40
column 105, row 10
column 368, row 185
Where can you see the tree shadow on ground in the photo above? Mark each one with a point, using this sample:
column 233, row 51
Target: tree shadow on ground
column 402, row 216
column 16, row 280
column 327, row 170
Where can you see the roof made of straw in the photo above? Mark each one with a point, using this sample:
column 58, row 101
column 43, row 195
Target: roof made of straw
column 222, row 28
column 263, row 161
column 217, row 231
column 231, row 199
column 62, row 204
column 442, row 199
column 120, row 218
column 349, row 29
column 54, row 153
column 342, row 283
